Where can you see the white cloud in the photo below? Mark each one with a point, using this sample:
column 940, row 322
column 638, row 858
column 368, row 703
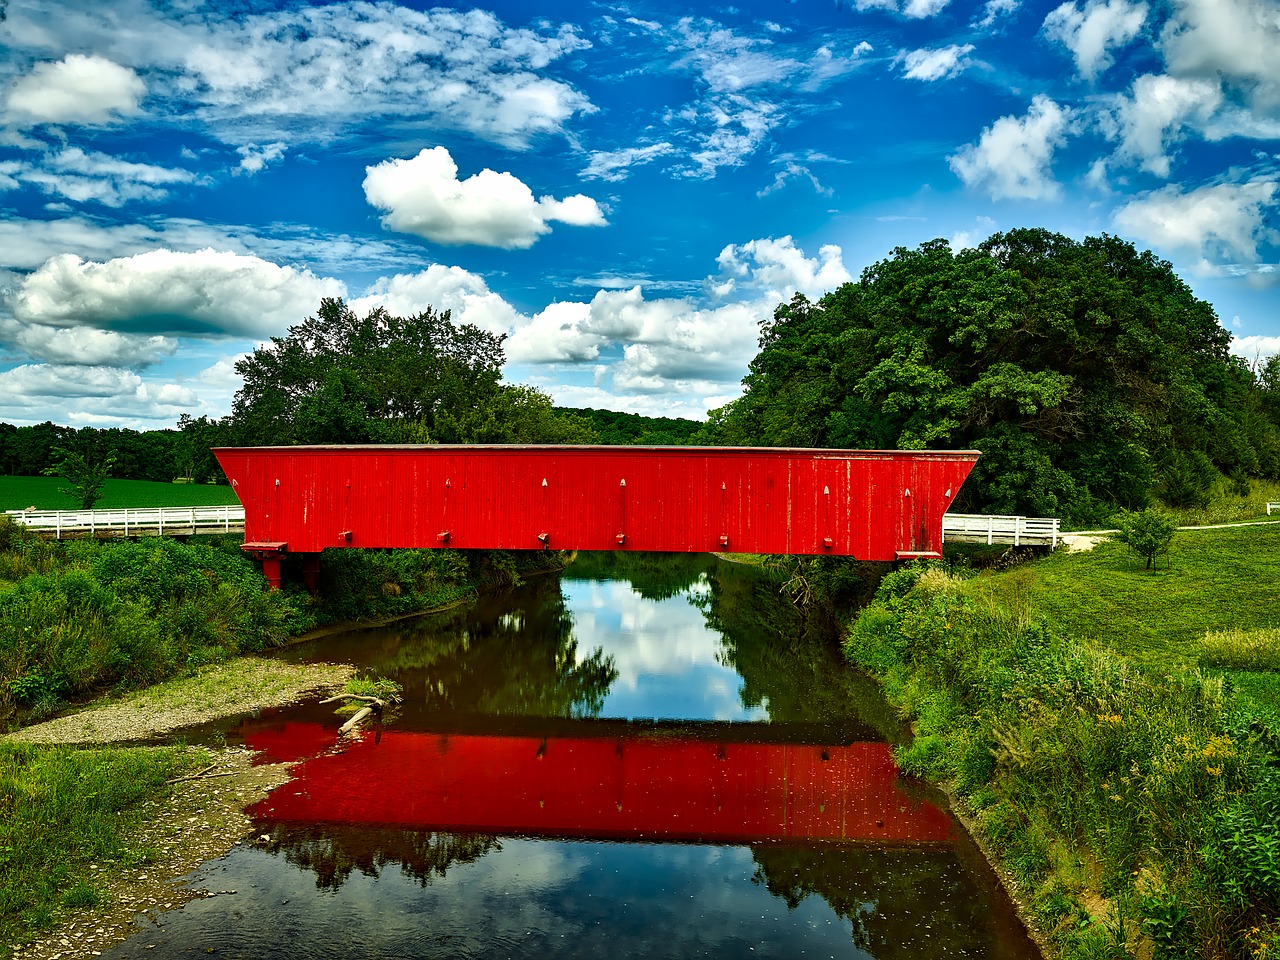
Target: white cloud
column 1092, row 33
column 164, row 292
column 615, row 165
column 26, row 244
column 938, row 64
column 1155, row 113
column 1225, row 221
column 315, row 71
column 1012, row 158
column 459, row 291
column 1232, row 40
column 256, row 157
column 423, row 196
column 559, row 333
column 994, row 10
column 966, row 239
column 85, row 346
column 776, row 268
column 915, row 9
column 97, row 177
column 77, row 89
column 1255, row 347
column 794, row 171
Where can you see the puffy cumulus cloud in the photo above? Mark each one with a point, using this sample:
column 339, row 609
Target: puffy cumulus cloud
column 423, row 196
column 164, row 292
column 1012, row 158
column 941, row 63
column 464, row 294
column 615, row 165
column 676, row 334
column 559, row 333
column 1235, row 40
column 1092, row 33
column 1255, row 347
column 1154, row 114
column 78, row 89
column 1225, row 221
column 256, row 157
column 105, row 396
column 95, row 177
column 776, row 268
column 85, row 346
column 318, row 70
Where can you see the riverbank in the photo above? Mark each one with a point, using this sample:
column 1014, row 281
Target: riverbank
column 174, row 822
column 1111, row 735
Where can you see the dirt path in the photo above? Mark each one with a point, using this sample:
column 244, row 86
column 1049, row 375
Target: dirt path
column 202, row 818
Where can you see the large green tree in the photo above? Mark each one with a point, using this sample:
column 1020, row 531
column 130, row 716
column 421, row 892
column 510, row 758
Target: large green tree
column 343, row 378
column 1087, row 373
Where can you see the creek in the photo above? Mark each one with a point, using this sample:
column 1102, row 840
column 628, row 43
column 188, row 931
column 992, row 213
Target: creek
column 645, row 756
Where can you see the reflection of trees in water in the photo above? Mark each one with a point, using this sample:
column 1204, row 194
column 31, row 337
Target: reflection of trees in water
column 516, row 655
column 332, row 852
column 789, row 660
column 902, row 902
column 654, row 576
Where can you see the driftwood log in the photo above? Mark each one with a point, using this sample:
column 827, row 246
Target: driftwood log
column 373, row 705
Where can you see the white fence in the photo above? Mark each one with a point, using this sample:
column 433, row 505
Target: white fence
column 1019, row 531
column 132, row 522
column 182, row 521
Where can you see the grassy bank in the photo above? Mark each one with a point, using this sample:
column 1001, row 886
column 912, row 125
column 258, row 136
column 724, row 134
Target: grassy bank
column 18, row 493
column 82, row 616
column 63, row 814
column 1115, row 735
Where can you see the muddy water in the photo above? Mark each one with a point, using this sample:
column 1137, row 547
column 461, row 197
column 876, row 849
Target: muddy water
column 645, row 757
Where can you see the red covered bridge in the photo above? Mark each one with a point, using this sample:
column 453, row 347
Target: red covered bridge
column 868, row 504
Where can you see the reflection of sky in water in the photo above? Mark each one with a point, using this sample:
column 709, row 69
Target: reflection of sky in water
column 528, row 899
column 667, row 658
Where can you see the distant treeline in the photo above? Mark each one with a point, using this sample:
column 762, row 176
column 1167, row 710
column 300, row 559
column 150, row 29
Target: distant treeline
column 159, row 455
column 616, row 428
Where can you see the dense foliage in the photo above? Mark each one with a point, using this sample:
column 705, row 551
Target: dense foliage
column 1156, row 795
column 342, row 378
column 1087, row 373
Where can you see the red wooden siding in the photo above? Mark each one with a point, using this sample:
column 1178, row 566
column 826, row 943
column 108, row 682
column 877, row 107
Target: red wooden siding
column 668, row 788
column 873, row 505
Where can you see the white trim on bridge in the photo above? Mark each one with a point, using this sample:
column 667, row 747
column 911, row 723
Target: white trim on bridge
column 184, row 521
column 132, row 521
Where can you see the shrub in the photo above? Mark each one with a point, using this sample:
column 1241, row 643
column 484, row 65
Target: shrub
column 1146, row 532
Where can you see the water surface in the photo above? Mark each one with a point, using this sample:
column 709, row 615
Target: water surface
column 645, row 757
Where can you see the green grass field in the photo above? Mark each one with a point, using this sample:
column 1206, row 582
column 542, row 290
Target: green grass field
column 18, row 493
column 1214, row 580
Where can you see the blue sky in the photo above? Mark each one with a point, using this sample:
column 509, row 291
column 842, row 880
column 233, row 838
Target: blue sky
column 624, row 189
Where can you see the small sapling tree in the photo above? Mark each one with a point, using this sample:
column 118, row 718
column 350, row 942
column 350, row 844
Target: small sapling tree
column 1146, row 532
column 84, row 471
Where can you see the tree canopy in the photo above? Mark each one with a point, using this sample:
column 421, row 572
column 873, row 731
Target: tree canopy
column 342, row 378
column 1087, row 373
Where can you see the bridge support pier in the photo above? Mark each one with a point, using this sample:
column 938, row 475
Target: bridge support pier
column 270, row 553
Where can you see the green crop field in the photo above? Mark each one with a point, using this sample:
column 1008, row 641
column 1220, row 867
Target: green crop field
column 18, row 493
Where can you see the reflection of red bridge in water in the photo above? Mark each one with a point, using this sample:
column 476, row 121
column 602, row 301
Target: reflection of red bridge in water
column 663, row 786
column 872, row 505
